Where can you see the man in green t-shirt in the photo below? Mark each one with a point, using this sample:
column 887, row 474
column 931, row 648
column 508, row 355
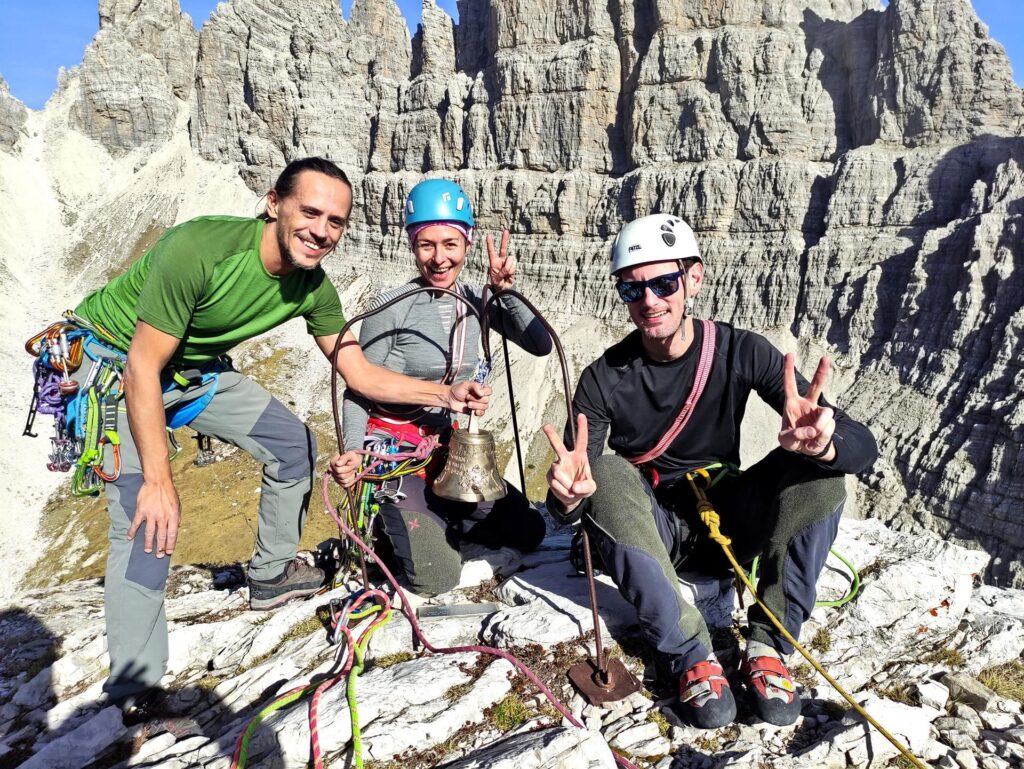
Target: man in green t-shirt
column 207, row 285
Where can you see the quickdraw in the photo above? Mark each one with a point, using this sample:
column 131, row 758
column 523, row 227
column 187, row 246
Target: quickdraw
column 96, row 406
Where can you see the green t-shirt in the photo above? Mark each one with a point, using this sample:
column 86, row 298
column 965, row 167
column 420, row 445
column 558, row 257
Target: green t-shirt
column 204, row 283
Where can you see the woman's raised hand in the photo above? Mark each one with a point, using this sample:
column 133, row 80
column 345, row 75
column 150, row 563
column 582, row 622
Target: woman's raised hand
column 501, row 270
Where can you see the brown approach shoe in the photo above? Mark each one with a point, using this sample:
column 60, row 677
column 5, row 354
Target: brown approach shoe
column 297, row 579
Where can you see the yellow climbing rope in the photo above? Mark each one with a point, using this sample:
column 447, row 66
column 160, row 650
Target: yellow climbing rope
column 711, row 520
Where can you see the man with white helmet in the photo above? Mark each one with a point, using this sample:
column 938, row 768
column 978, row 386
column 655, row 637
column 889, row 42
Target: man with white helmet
column 670, row 398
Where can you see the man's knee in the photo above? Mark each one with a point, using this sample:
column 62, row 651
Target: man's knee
column 291, row 444
column 617, row 481
column 813, row 500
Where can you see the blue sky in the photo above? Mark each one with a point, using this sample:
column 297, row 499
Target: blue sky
column 37, row 38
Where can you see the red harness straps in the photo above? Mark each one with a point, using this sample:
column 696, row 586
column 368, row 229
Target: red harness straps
column 700, row 379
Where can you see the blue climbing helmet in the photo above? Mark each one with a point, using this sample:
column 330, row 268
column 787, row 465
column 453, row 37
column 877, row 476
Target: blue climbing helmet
column 438, row 200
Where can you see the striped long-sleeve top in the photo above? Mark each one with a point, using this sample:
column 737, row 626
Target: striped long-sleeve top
column 420, row 337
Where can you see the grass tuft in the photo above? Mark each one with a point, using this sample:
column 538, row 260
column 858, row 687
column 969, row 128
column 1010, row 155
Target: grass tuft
column 1006, row 680
column 899, row 691
column 388, row 660
column 508, row 714
column 706, row 743
column 208, row 683
column 951, row 658
column 307, row 627
column 822, row 641
column 658, row 718
column 901, row 762
column 458, row 691
column 804, row 675
column 485, row 591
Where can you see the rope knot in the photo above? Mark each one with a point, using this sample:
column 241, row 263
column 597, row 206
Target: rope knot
column 711, row 520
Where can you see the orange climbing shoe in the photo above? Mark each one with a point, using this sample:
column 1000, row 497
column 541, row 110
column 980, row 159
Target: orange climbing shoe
column 771, row 690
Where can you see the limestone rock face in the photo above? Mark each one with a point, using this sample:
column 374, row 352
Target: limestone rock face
column 855, row 176
column 275, row 81
column 12, row 117
column 135, row 73
column 918, row 619
column 940, row 78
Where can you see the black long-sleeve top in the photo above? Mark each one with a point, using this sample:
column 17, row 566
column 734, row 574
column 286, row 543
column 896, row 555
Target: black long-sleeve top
column 633, row 400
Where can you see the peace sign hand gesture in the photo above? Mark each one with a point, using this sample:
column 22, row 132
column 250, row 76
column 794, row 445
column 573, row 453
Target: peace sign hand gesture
column 807, row 428
column 569, row 476
column 501, row 271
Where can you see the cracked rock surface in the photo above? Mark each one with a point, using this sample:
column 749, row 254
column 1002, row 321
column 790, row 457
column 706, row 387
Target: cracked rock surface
column 908, row 648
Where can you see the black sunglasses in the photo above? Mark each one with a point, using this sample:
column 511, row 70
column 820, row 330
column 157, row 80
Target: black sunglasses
column 664, row 285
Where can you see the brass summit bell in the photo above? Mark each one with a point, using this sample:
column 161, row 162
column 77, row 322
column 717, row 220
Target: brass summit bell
column 471, row 472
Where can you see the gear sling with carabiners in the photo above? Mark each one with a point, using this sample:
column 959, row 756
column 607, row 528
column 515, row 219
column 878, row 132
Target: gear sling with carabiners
column 85, row 407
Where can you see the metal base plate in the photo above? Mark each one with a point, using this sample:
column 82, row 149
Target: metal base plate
column 590, row 684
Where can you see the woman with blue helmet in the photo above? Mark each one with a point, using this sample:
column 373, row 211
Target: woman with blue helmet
column 433, row 337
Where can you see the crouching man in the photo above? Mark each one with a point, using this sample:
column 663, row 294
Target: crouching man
column 670, row 398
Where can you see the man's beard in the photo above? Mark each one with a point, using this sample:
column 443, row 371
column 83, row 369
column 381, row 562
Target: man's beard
column 660, row 333
column 289, row 257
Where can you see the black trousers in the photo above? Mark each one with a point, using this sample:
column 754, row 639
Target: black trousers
column 425, row 533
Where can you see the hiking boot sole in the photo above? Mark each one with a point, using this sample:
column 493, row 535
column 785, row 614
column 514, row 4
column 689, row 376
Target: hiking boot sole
column 272, row 602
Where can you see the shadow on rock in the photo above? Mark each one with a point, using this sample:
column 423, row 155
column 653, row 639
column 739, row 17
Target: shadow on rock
column 181, row 726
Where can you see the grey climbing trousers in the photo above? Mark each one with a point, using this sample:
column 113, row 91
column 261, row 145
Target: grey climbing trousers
column 785, row 509
column 243, row 414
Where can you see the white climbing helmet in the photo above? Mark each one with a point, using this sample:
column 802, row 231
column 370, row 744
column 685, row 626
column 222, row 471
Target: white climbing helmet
column 653, row 238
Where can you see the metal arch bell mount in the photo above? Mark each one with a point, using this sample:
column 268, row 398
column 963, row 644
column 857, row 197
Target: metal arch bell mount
column 600, row 679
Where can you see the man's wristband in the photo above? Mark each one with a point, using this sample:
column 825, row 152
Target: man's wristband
column 823, row 452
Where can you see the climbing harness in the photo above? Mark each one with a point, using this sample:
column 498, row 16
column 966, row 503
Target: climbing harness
column 699, row 481
column 86, row 409
column 379, row 480
column 182, row 414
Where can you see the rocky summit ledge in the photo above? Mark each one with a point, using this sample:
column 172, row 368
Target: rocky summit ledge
column 910, row 647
